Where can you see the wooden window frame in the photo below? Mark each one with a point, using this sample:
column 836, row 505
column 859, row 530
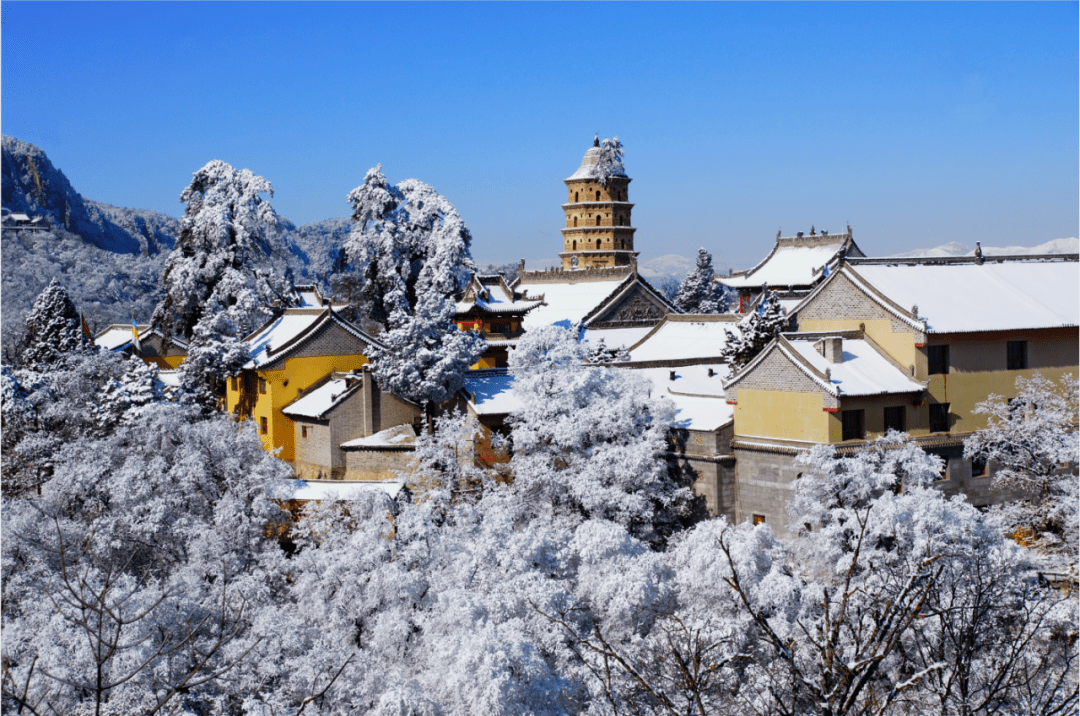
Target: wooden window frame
column 264, row 426
column 941, row 423
column 853, row 424
column 1016, row 355
column 898, row 420
column 937, row 359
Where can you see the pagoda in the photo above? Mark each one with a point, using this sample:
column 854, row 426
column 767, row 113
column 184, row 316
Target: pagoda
column 598, row 233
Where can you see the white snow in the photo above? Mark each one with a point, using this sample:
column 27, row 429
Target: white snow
column 332, row 490
column 117, row 336
column 787, row 266
column 567, row 303
column 309, row 298
column 685, row 340
column 397, row 436
column 616, row 337
column 316, row 403
column 961, row 298
column 496, row 300
column 955, row 248
column 492, row 393
column 694, row 412
column 863, row 371
column 280, row 331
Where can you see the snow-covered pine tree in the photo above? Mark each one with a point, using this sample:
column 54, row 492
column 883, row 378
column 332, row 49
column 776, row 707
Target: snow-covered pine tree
column 214, row 353
column 600, row 353
column 699, row 293
column 53, row 328
column 610, row 163
column 125, row 399
column 411, row 247
column 221, row 262
column 756, row 331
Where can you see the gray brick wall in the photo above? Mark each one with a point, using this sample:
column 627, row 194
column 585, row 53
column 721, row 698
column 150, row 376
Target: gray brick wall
column 777, row 372
column 329, row 340
column 841, row 300
column 376, row 464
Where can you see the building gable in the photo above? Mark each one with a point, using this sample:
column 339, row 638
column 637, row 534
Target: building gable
column 329, row 339
column 776, row 371
column 841, row 300
column 634, row 306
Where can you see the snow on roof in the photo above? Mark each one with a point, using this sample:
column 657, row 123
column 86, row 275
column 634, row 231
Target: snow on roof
column 685, row 340
column 695, row 412
column 787, row 265
column 277, row 333
column 567, row 303
column 491, row 393
column 170, row 378
column 969, row 297
column 397, row 436
column 616, row 337
column 589, row 168
column 332, row 490
column 117, row 336
column 319, row 401
column 864, row 371
column 309, row 297
column 495, row 299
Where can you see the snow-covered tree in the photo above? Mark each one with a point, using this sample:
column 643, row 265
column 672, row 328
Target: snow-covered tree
column 699, row 293
column 756, row 331
column 1033, row 444
column 222, row 260
column 599, row 353
column 126, row 399
column 589, row 441
column 214, row 353
column 53, row 328
column 412, row 248
column 610, row 163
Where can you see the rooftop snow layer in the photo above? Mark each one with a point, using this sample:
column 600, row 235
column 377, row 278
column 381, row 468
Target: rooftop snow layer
column 685, row 340
column 316, row 403
column 787, row 266
column 567, row 303
column 497, row 301
column 616, row 337
column 117, row 336
column 863, row 371
column 492, row 393
column 333, row 490
column 281, row 330
column 589, row 168
column 397, row 436
column 962, row 298
column 695, row 412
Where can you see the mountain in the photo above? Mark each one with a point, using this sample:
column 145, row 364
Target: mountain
column 1056, row 246
column 672, row 265
column 33, row 186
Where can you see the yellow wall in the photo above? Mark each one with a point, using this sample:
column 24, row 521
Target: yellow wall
column 282, row 388
column 962, row 391
column 780, row 414
column 901, row 346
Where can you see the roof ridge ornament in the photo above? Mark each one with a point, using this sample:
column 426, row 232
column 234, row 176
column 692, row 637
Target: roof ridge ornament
column 596, row 140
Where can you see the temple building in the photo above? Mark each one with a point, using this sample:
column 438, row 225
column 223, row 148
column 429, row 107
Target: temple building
column 493, row 309
column 598, row 231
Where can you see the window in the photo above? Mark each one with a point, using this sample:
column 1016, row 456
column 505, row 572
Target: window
column 978, row 467
column 938, row 359
column 262, row 386
column 598, row 241
column 598, row 196
column 262, row 426
column 303, row 431
column 235, row 383
column 894, row 419
column 853, row 423
column 575, row 240
column 575, row 221
column 598, row 220
column 939, row 417
column 759, row 519
column 576, row 197
column 1017, row 355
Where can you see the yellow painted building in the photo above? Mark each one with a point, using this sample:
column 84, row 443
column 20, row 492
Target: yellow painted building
column 289, row 355
column 154, row 348
column 912, row 345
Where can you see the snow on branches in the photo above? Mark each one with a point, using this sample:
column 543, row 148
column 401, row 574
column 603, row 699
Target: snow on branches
column 1032, row 442
column 53, row 328
column 610, row 162
column 699, row 293
column 222, row 260
column 411, row 248
column 756, row 331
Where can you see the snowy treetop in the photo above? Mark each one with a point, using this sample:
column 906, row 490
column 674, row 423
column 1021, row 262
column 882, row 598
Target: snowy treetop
column 602, row 162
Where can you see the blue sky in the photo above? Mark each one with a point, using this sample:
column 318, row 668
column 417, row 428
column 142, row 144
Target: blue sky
column 919, row 124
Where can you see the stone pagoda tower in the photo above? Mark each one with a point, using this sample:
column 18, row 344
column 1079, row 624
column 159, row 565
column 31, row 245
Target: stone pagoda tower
column 598, row 232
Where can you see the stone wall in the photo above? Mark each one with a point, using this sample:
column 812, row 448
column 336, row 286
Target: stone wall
column 843, row 300
column 369, row 463
column 330, row 339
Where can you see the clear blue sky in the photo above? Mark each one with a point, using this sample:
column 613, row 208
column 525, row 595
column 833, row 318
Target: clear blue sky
column 919, row 124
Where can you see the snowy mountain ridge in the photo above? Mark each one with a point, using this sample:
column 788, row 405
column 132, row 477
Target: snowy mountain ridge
column 955, row 248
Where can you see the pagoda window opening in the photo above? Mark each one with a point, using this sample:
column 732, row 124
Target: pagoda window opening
column 575, row 221
column 598, row 244
column 598, row 196
column 576, row 199
column 575, row 242
column 598, row 220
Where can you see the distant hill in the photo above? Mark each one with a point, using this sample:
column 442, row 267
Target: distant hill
column 1057, row 246
column 671, row 265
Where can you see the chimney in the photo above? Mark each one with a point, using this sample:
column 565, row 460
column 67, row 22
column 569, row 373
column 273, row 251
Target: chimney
column 833, row 349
